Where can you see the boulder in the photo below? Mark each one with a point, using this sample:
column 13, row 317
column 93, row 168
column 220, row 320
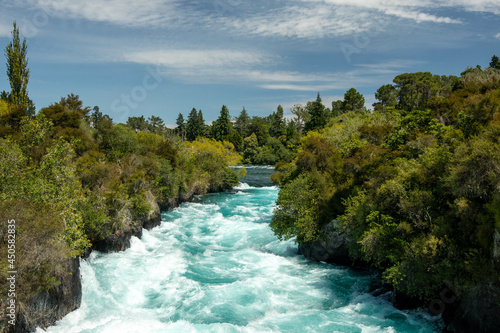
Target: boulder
column 330, row 248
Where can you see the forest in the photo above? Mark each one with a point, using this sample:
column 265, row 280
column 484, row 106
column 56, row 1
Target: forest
column 414, row 185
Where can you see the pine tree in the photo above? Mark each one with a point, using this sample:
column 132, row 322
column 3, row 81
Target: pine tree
column 181, row 126
column 156, row 124
column 194, row 128
column 353, row 101
column 18, row 73
column 387, row 96
column 242, row 123
column 201, row 124
column 317, row 114
column 277, row 122
column 222, row 126
column 495, row 62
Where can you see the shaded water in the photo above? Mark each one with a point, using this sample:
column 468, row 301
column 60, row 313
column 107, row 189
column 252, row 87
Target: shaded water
column 215, row 266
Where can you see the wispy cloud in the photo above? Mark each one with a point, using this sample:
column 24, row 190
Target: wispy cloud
column 120, row 12
column 5, row 30
column 330, row 18
column 255, row 69
column 497, row 35
column 487, row 6
column 293, row 18
column 193, row 59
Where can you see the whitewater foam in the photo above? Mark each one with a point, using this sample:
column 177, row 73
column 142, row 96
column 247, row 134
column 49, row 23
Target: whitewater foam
column 215, row 266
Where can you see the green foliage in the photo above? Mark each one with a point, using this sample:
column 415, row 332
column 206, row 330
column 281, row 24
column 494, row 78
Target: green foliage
column 495, row 62
column 415, row 187
column 222, row 127
column 297, row 212
column 386, row 95
column 317, row 115
column 414, row 90
column 70, row 178
column 40, row 252
column 18, row 72
column 195, row 126
column 353, row 101
column 4, row 108
column 242, row 123
column 213, row 160
column 277, row 123
column 181, row 126
column 138, row 124
column 117, row 141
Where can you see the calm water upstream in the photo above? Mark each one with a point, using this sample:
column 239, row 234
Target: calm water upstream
column 215, row 266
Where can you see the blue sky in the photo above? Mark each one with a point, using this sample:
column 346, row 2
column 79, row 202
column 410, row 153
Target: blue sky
column 163, row 57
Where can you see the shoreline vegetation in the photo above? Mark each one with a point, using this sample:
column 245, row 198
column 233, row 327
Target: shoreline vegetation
column 411, row 187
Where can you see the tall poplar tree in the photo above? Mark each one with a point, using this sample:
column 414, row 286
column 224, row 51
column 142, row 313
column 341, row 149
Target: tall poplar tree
column 18, row 72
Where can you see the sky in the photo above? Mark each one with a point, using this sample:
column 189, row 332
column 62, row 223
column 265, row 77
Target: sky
column 165, row 57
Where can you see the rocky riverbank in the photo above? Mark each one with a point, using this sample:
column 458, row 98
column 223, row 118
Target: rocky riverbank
column 47, row 307
column 476, row 309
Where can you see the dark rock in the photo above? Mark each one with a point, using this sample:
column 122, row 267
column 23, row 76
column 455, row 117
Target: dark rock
column 131, row 226
column 477, row 311
column 331, row 248
column 120, row 239
column 153, row 217
column 403, row 301
column 47, row 307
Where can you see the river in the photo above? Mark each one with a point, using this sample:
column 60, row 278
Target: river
column 214, row 265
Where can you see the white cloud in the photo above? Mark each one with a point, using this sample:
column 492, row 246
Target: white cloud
column 5, row 30
column 419, row 16
column 190, row 59
column 120, row 12
column 497, row 35
column 330, row 18
column 233, row 66
column 488, row 6
column 293, row 18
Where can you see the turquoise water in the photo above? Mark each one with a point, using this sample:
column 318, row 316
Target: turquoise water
column 215, row 266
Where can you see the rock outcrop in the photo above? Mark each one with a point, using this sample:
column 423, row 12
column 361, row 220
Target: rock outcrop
column 130, row 226
column 331, row 248
column 478, row 310
column 47, row 307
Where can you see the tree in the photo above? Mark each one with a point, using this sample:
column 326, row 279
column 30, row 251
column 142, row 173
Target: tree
column 222, row 126
column 353, row 101
column 386, row 95
column 201, row 124
column 337, row 107
column 18, row 72
column 260, row 127
column 277, row 122
column 194, row 125
column 138, row 124
column 317, row 113
column 301, row 117
column 495, row 62
column 181, row 126
column 416, row 89
column 242, row 123
column 156, row 124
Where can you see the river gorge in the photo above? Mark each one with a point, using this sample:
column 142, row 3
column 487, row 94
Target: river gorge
column 214, row 265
